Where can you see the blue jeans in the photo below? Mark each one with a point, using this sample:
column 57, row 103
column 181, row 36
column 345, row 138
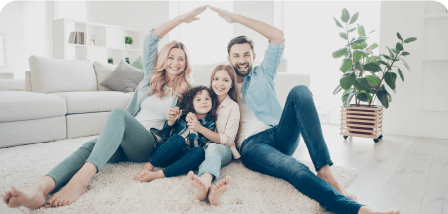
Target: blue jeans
column 170, row 154
column 270, row 152
column 216, row 156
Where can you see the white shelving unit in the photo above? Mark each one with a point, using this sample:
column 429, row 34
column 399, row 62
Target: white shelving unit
column 109, row 41
column 435, row 58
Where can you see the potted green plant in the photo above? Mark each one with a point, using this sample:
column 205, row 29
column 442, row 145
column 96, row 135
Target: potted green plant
column 365, row 80
column 110, row 61
column 128, row 41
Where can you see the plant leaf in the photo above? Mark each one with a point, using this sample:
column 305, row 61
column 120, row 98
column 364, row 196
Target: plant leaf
column 406, row 64
column 399, row 46
column 346, row 64
column 373, row 46
column 340, row 52
column 345, row 15
column 361, row 31
column 385, row 56
column 372, row 66
column 361, row 83
column 354, row 18
column 358, row 55
column 399, row 36
column 363, row 96
column 383, row 96
column 395, row 50
column 359, row 40
column 358, row 66
column 361, row 45
column 347, row 80
column 405, row 53
column 373, row 80
column 382, row 62
column 347, row 97
column 337, row 90
column 337, row 23
column 390, row 51
column 353, row 29
column 372, row 31
column 373, row 59
column 390, row 78
column 401, row 74
column 410, row 39
column 343, row 35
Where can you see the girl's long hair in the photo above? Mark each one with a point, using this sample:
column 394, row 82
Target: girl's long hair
column 158, row 77
column 187, row 104
column 233, row 92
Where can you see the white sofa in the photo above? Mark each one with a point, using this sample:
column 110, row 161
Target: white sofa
column 64, row 99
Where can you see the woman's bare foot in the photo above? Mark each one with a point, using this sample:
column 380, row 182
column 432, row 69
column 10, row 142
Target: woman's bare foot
column 74, row 188
column 325, row 174
column 146, row 176
column 148, row 167
column 367, row 210
column 31, row 197
column 216, row 191
column 201, row 186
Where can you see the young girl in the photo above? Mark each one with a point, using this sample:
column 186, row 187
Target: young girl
column 218, row 154
column 182, row 148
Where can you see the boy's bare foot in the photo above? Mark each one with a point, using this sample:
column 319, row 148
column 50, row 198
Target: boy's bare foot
column 146, row 176
column 31, row 197
column 367, row 210
column 201, row 187
column 325, row 174
column 148, row 167
column 74, row 188
column 216, row 191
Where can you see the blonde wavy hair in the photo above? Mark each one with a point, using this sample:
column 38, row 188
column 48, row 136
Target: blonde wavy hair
column 158, row 77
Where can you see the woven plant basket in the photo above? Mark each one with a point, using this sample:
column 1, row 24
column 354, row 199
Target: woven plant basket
column 362, row 121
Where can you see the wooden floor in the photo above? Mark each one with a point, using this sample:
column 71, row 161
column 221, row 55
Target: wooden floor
column 408, row 173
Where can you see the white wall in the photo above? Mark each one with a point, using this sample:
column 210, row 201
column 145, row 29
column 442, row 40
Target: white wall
column 404, row 115
column 143, row 15
column 259, row 10
column 11, row 23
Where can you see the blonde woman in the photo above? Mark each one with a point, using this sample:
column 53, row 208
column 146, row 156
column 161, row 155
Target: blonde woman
column 125, row 135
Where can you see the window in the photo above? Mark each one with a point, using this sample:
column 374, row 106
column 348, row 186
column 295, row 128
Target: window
column 311, row 37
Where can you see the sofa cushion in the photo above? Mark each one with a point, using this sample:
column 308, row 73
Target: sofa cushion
column 125, row 78
column 95, row 101
column 202, row 72
column 24, row 105
column 103, row 70
column 138, row 63
column 50, row 75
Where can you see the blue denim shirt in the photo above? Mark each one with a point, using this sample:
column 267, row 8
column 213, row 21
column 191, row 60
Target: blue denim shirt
column 259, row 88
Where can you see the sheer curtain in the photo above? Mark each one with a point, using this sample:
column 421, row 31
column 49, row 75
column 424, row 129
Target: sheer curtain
column 311, row 37
column 207, row 38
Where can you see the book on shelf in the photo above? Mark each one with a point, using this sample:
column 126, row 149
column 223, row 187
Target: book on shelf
column 76, row 38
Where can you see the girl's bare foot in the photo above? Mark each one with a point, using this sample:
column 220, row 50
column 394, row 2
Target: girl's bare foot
column 367, row 210
column 146, row 176
column 31, row 197
column 325, row 174
column 74, row 188
column 148, row 167
column 216, row 191
column 201, row 187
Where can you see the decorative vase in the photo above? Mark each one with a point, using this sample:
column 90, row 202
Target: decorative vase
column 128, row 46
column 127, row 60
column 362, row 121
column 110, row 61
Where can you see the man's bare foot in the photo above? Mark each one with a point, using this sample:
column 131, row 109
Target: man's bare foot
column 74, row 188
column 147, row 167
column 367, row 210
column 325, row 174
column 216, row 191
column 31, row 197
column 146, row 176
column 201, row 187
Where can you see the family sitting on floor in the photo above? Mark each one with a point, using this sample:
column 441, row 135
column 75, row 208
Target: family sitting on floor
column 173, row 124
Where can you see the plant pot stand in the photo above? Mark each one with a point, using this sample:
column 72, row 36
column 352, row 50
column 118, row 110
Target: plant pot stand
column 362, row 121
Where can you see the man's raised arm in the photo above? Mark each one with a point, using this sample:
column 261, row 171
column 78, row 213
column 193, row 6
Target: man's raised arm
column 274, row 35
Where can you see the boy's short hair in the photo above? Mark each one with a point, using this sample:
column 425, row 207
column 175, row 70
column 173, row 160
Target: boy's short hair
column 240, row 40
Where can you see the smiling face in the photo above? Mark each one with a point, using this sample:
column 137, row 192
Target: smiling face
column 176, row 62
column 221, row 83
column 202, row 103
column 241, row 58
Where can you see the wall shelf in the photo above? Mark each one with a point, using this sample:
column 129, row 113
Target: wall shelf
column 109, row 41
column 436, row 16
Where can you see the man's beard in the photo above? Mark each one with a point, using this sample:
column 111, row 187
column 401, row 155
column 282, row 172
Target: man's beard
column 242, row 73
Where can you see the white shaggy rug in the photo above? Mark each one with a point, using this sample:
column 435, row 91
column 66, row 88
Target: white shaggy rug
column 113, row 190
